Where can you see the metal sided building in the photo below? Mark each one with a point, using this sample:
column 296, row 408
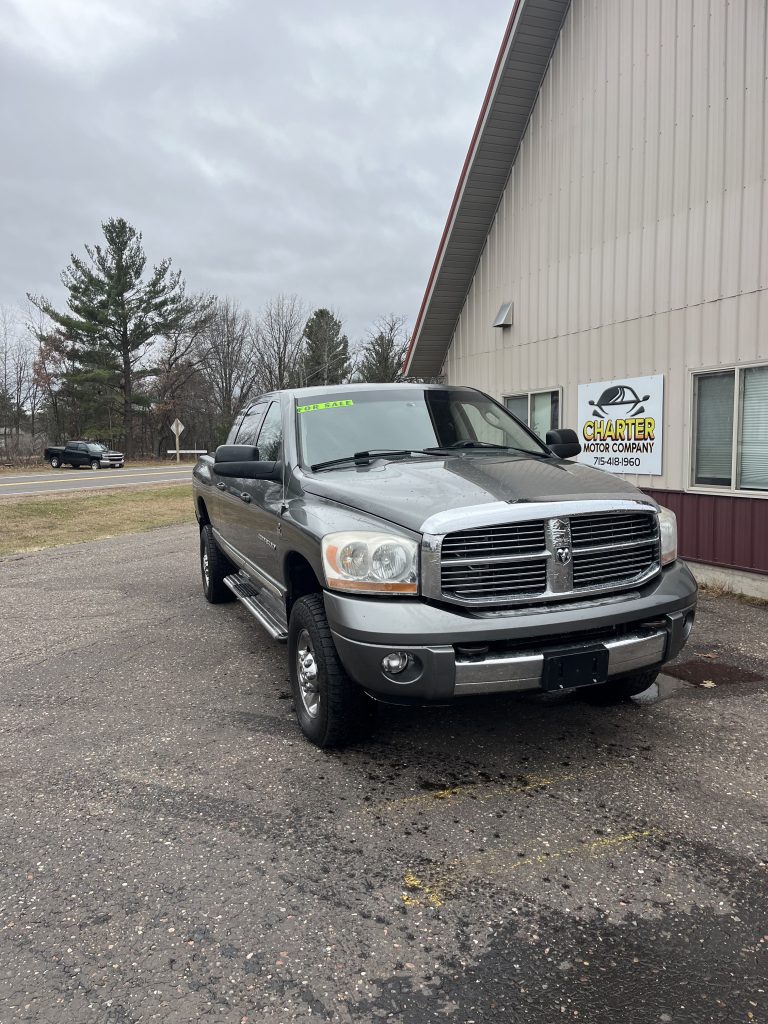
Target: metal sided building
column 604, row 265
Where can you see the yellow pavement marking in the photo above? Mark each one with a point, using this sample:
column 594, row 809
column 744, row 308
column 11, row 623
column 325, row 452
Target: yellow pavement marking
column 415, row 885
column 478, row 791
column 419, row 893
column 93, row 478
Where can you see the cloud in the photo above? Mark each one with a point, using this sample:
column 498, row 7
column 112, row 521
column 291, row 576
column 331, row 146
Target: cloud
column 86, row 36
column 303, row 147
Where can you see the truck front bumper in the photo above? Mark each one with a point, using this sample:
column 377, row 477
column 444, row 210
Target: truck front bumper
column 454, row 652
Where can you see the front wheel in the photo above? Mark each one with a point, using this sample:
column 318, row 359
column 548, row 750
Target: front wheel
column 621, row 689
column 95, row 464
column 332, row 710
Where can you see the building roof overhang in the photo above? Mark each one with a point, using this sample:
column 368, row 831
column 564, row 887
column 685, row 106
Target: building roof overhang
column 526, row 49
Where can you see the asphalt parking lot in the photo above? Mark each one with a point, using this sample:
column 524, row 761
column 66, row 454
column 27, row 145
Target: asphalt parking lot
column 172, row 850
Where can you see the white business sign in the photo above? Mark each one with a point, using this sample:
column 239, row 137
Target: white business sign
column 621, row 424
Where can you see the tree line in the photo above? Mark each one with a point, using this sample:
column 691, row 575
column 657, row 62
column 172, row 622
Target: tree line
column 132, row 350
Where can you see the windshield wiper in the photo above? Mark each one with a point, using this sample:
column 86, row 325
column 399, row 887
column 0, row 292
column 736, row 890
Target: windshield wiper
column 365, row 458
column 484, row 445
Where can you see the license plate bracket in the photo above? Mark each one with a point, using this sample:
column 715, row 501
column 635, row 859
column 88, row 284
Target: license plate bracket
column 566, row 667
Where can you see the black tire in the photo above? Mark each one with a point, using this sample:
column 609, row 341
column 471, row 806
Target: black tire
column 619, row 690
column 95, row 464
column 344, row 713
column 214, row 566
column 55, row 462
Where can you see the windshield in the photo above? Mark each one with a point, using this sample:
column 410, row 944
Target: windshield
column 333, row 427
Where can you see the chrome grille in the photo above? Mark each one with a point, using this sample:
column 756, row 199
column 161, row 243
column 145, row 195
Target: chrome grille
column 495, row 562
column 593, row 569
column 613, row 547
column 549, row 558
column 471, row 582
column 496, row 542
column 612, row 528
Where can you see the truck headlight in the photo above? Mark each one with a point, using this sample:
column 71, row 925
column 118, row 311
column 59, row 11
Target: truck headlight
column 371, row 563
column 668, row 535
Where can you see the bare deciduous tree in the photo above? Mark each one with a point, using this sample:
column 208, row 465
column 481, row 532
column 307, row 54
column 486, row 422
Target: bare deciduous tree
column 280, row 342
column 228, row 358
column 19, row 395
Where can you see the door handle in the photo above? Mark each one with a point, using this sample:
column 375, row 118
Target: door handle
column 245, row 496
column 221, row 486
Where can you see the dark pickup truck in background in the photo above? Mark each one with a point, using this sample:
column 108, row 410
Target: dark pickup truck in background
column 418, row 543
column 83, row 453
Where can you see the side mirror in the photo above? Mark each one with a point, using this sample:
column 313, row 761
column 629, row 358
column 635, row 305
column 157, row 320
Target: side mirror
column 250, row 470
column 236, row 453
column 564, row 443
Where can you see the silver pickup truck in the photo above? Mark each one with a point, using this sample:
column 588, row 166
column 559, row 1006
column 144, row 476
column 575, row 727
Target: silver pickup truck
column 418, row 543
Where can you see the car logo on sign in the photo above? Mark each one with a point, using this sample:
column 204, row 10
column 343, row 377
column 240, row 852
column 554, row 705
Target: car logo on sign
column 564, row 555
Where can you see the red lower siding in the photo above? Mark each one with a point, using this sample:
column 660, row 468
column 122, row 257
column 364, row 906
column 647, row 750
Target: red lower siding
column 720, row 530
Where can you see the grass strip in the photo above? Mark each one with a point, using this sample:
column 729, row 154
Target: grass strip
column 74, row 517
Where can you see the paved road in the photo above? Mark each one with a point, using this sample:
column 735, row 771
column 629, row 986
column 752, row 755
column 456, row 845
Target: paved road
column 80, row 479
column 171, row 850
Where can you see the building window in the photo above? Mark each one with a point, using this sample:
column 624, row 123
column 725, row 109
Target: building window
column 714, row 429
column 736, row 459
column 540, row 410
column 753, row 448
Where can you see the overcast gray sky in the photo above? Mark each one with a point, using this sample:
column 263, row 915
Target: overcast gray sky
column 308, row 147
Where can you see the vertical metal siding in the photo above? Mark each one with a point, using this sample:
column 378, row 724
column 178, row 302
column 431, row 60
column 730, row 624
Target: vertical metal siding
column 632, row 236
column 720, row 530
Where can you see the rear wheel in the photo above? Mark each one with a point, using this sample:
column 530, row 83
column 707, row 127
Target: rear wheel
column 618, row 690
column 332, row 709
column 214, row 566
column 55, row 462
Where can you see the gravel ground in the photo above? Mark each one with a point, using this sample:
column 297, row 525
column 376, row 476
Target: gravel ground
column 173, row 851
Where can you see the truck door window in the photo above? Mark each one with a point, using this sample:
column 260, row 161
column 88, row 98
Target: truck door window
column 235, row 427
column 270, row 441
column 249, row 428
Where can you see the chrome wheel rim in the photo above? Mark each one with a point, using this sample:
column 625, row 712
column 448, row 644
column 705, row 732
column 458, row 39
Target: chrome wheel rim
column 206, row 570
column 306, row 672
column 94, row 465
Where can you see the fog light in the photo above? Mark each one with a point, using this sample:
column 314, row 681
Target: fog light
column 394, row 663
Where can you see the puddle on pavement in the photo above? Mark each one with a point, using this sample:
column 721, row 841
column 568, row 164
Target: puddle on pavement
column 700, row 671
column 665, row 686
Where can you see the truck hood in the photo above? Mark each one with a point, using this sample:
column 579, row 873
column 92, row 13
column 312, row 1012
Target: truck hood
column 409, row 492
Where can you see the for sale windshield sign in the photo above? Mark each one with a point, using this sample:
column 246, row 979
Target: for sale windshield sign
column 620, row 424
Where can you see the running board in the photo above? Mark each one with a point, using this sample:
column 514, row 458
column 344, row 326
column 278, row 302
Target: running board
column 253, row 599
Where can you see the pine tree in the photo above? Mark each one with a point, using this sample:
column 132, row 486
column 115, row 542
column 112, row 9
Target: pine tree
column 383, row 353
column 326, row 350
column 115, row 314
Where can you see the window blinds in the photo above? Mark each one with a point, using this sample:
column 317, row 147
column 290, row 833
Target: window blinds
column 714, row 428
column 753, row 456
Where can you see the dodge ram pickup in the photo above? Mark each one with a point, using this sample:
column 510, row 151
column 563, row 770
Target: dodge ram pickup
column 418, row 543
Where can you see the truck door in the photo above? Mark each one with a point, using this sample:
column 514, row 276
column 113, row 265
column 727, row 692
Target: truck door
column 228, row 489
column 73, row 455
column 260, row 502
